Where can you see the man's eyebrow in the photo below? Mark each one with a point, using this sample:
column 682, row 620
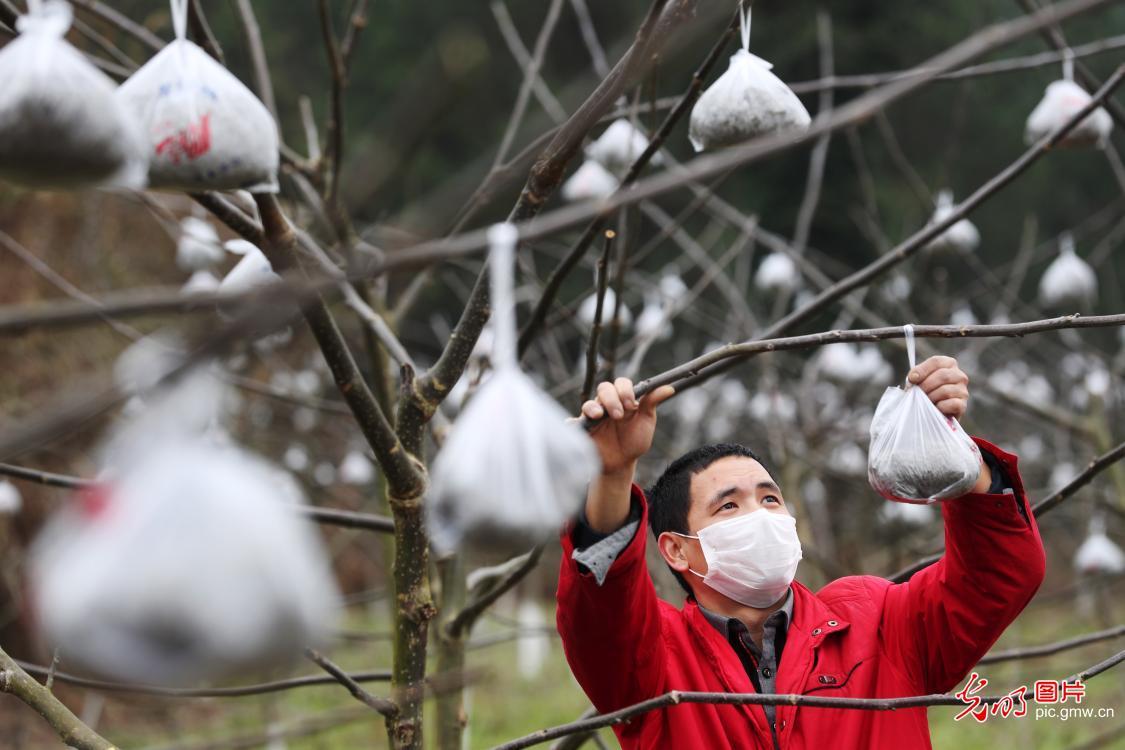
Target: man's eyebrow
column 769, row 486
column 721, row 495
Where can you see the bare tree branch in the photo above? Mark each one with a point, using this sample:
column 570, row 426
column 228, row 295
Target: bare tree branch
column 17, row 683
column 1047, row 649
column 234, row 691
column 382, row 706
column 258, row 61
column 676, row 697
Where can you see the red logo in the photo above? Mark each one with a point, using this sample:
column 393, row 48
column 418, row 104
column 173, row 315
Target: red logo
column 187, row 144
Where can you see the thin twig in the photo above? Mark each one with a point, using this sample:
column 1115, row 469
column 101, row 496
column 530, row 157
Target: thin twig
column 601, row 282
column 382, row 706
column 16, row 682
column 1047, row 649
column 258, row 59
column 233, row 691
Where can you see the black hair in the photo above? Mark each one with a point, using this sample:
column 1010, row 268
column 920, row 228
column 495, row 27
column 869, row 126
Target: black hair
column 669, row 500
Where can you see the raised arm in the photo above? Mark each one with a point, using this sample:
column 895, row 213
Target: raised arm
column 946, row 617
column 609, row 620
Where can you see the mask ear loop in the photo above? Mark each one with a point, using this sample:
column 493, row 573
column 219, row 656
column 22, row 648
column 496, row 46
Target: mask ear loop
column 689, row 536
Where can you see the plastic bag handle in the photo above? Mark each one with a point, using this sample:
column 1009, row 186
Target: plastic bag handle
column 502, row 240
column 1068, row 64
column 179, row 17
column 744, row 24
column 908, row 333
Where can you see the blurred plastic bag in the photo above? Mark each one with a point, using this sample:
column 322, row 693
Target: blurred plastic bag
column 917, row 454
column 590, row 181
column 962, row 236
column 60, row 125
column 188, row 565
column 1069, row 282
column 1098, row 553
column 1062, row 101
column 512, row 468
column 204, row 129
column 777, row 273
column 619, row 146
column 198, row 247
column 746, row 101
column 10, row 499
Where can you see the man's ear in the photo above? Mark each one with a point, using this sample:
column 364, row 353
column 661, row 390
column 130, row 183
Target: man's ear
column 672, row 550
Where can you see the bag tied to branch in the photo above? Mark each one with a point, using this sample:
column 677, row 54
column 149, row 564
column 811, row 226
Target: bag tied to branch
column 60, row 126
column 917, row 454
column 204, row 129
column 512, row 469
column 746, row 101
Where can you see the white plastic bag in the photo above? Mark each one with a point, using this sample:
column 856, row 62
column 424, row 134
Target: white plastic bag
column 746, row 101
column 10, row 499
column 777, row 273
column 198, row 247
column 589, row 308
column 60, row 125
column 619, row 146
column 961, row 237
column 512, row 469
column 917, row 454
column 204, row 129
column 189, row 563
column 1098, row 553
column 590, row 181
column 1069, row 282
column 1062, row 101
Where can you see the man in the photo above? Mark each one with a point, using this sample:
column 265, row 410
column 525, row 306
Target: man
column 721, row 524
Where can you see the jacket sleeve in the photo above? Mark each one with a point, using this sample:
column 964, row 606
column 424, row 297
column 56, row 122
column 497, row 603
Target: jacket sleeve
column 611, row 632
column 947, row 616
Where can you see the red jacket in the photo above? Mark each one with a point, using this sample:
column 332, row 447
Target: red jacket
column 859, row 636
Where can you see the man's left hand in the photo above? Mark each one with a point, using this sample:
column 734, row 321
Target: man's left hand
column 945, row 383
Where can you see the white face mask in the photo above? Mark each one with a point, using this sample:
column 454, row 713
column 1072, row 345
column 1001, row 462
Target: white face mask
column 751, row 558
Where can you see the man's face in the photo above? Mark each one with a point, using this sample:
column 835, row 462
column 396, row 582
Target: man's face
column 728, row 488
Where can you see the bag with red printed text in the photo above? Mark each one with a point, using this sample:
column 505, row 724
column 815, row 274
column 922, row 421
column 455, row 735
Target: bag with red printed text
column 205, row 130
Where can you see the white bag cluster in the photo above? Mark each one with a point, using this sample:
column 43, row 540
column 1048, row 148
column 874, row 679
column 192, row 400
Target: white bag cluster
column 60, row 126
column 589, row 308
column 619, row 146
column 1069, row 282
column 204, row 129
column 850, row 363
column 10, row 498
column 1098, row 553
column 917, row 454
column 188, row 562
column 512, row 468
column 746, row 101
column 198, row 247
column 590, row 181
column 777, row 273
column 1062, row 101
column 961, row 237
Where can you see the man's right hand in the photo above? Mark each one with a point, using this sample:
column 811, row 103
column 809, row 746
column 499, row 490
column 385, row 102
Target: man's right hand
column 624, row 435
column 626, row 432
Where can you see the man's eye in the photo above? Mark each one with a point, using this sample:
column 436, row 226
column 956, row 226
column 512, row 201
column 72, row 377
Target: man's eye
column 731, row 504
column 774, row 498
